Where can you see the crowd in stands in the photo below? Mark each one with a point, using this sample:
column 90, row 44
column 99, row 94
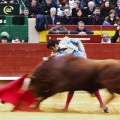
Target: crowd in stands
column 70, row 12
column 5, row 37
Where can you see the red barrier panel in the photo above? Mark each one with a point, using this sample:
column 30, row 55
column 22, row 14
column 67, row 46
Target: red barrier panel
column 18, row 59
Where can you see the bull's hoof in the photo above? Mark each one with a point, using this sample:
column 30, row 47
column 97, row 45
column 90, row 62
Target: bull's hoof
column 106, row 110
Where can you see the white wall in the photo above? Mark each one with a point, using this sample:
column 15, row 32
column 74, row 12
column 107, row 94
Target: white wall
column 32, row 33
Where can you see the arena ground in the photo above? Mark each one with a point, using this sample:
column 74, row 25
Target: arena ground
column 82, row 107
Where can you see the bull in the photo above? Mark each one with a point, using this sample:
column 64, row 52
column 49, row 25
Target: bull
column 63, row 73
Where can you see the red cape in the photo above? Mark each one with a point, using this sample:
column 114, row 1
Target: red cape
column 10, row 93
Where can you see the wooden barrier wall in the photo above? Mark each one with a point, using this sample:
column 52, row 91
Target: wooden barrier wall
column 97, row 29
column 18, row 59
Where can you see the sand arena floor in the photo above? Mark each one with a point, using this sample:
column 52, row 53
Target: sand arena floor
column 82, row 107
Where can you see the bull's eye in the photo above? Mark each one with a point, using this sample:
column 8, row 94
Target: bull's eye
column 45, row 91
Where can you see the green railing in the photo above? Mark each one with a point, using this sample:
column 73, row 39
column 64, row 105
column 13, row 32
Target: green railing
column 16, row 26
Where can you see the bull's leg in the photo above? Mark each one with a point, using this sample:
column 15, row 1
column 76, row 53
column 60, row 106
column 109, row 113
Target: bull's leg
column 102, row 105
column 68, row 100
column 37, row 103
column 111, row 98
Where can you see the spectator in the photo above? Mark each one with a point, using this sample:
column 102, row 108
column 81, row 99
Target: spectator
column 20, row 20
column 96, row 18
column 28, row 3
column 112, row 19
column 58, row 29
column 67, row 19
column 4, row 37
column 54, row 3
column 75, row 8
column 117, row 9
column 98, row 3
column 52, row 18
column 114, row 2
column 105, row 8
column 90, row 9
column 17, row 40
column 79, row 17
column 34, row 8
column 26, row 12
column 113, row 39
column 81, row 30
column 47, row 5
column 84, row 3
column 63, row 5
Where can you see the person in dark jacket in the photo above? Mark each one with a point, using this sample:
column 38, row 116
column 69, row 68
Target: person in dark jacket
column 96, row 18
column 113, row 39
column 81, row 30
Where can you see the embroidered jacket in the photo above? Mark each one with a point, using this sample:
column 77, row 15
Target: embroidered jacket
column 68, row 46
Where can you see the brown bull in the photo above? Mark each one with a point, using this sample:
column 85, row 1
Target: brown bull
column 70, row 73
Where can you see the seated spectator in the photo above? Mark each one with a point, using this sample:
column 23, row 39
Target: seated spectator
column 20, row 19
column 84, row 3
column 58, row 29
column 117, row 9
column 28, row 3
column 75, row 8
column 52, row 18
column 105, row 8
column 81, row 30
column 17, row 40
column 47, row 5
column 113, row 39
column 4, row 37
column 112, row 19
column 55, row 3
column 90, row 9
column 96, row 18
column 98, row 2
column 26, row 13
column 63, row 5
column 67, row 19
column 114, row 2
column 34, row 8
column 79, row 17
